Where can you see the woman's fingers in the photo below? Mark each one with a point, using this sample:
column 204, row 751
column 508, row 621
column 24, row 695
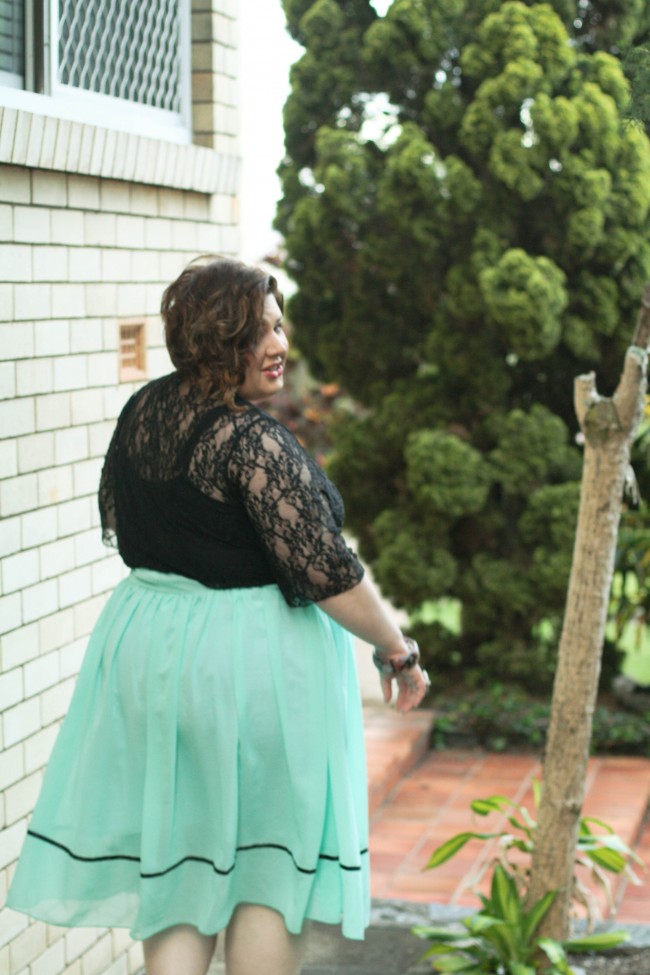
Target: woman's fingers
column 413, row 685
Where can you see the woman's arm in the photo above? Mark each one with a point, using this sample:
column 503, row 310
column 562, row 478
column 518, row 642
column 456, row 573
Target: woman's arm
column 361, row 611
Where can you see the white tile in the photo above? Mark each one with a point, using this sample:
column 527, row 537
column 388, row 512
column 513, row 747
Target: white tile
column 87, row 406
column 18, row 494
column 15, row 186
column 48, row 147
column 6, row 310
column 20, row 798
column 86, row 475
column 54, row 485
column 27, row 946
column 70, row 372
column 100, row 229
column 57, row 630
column 10, row 536
column 49, row 189
column 87, row 335
column 52, row 338
column 21, row 721
column 11, row 841
column 51, row 961
column 16, row 340
column 16, row 417
column 11, row 688
column 35, row 452
column 19, row 571
column 38, row 748
column 102, row 369
column 50, row 263
column 32, row 301
column 53, row 411
column 55, row 702
column 75, row 516
column 41, row 673
column 16, row 262
column 75, row 586
column 68, row 300
column 7, row 380
column 12, row 766
column 100, row 437
column 86, row 613
column 40, row 600
column 34, row 376
column 67, row 227
column 70, row 445
column 130, row 231
column 56, row 557
column 8, row 458
column 38, row 527
column 102, row 299
column 20, row 645
column 32, row 224
column 86, row 264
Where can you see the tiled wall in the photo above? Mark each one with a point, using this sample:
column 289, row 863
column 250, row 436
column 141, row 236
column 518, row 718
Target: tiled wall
column 80, row 253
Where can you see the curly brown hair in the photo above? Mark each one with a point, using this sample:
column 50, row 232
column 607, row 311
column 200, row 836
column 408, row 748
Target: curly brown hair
column 213, row 313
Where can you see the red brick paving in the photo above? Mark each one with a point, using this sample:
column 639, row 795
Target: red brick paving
column 419, row 799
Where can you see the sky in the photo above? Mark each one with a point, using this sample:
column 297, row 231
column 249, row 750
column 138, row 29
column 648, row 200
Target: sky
column 266, row 54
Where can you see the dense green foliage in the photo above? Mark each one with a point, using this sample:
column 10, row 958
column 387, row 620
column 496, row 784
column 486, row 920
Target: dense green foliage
column 466, row 215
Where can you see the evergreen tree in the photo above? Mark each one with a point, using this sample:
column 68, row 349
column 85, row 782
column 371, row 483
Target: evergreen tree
column 466, row 214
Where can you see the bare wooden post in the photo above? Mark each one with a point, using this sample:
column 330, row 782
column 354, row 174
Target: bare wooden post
column 609, row 426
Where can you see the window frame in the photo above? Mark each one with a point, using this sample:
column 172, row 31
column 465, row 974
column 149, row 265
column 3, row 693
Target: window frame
column 43, row 94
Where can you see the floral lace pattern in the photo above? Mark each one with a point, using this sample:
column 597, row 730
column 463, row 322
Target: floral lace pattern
column 246, row 459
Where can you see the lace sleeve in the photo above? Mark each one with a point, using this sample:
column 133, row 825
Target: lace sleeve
column 297, row 513
column 107, row 483
column 107, row 495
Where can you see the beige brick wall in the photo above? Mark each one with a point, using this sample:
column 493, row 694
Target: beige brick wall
column 81, row 251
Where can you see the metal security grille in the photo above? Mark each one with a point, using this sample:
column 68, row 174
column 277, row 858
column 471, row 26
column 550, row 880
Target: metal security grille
column 12, row 57
column 129, row 49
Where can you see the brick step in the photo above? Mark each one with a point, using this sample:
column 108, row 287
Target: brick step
column 395, row 744
column 419, row 799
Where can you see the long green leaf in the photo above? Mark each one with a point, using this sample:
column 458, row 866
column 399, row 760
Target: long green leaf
column 478, row 923
column 538, row 911
column 553, row 950
column 438, row 934
column 597, row 942
column 516, row 968
column 492, row 804
column 454, row 964
column 449, row 849
column 586, row 820
column 505, row 895
column 608, row 859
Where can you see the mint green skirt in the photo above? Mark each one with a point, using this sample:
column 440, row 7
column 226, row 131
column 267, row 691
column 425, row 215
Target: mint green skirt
column 213, row 755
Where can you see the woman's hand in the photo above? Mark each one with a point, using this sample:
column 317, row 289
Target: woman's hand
column 402, row 666
column 412, row 686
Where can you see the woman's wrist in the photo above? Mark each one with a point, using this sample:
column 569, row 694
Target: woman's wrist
column 393, row 662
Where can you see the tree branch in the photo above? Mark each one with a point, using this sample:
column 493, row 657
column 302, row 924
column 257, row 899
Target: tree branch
column 642, row 332
column 584, row 395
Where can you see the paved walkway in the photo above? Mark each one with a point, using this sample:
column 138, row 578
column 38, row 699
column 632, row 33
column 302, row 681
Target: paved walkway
column 419, row 799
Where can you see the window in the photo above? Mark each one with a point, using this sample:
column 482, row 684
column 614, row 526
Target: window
column 132, row 351
column 12, row 43
column 128, row 49
column 90, row 56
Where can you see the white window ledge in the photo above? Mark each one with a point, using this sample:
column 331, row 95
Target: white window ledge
column 37, row 139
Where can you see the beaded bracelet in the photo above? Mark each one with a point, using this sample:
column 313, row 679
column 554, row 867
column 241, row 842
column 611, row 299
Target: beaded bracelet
column 395, row 665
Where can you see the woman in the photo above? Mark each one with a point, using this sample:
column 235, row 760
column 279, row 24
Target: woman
column 210, row 773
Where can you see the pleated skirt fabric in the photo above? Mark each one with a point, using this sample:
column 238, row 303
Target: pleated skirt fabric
column 212, row 755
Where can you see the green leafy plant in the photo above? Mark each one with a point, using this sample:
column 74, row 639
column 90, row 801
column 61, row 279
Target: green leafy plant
column 499, row 717
column 502, row 938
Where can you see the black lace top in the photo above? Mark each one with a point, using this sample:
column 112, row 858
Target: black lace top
column 227, row 498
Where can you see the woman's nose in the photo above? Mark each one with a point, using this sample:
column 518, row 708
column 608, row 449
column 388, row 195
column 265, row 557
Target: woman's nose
column 278, row 344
